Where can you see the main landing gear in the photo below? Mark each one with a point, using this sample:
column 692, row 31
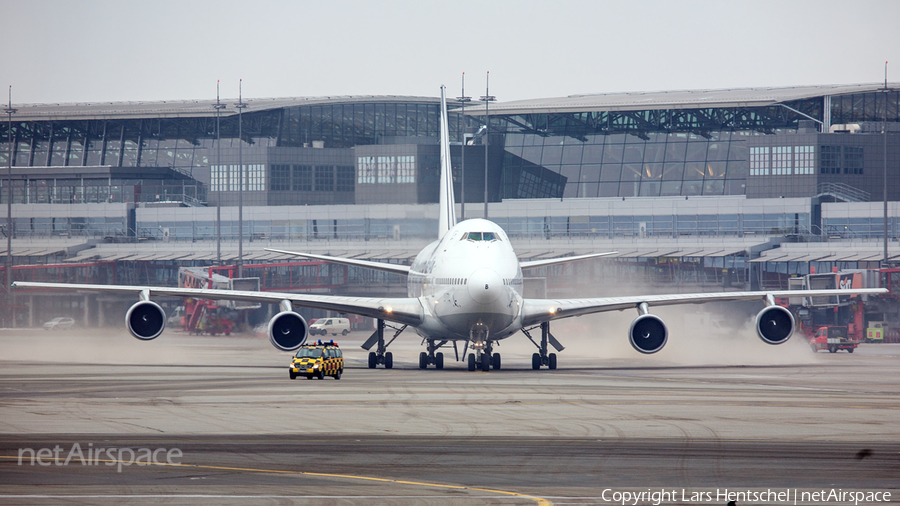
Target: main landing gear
column 437, row 359
column 542, row 358
column 380, row 355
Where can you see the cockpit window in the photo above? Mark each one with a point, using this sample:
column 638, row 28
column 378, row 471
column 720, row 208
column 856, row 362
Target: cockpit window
column 480, row 236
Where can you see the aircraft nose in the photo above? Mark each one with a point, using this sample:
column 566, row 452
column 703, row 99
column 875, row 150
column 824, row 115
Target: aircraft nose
column 485, row 286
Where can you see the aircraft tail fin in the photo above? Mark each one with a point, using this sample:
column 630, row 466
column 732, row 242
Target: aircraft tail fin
column 447, row 218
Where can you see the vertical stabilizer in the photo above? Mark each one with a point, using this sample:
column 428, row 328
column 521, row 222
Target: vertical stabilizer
column 447, row 218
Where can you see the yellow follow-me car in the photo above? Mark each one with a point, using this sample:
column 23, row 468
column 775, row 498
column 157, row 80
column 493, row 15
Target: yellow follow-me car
column 317, row 360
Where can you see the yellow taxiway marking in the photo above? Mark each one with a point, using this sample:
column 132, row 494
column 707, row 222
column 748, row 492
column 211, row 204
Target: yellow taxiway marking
column 538, row 500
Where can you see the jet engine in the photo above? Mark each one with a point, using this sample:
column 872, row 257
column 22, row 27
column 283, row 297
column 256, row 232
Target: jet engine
column 648, row 333
column 288, row 331
column 145, row 320
column 774, row 324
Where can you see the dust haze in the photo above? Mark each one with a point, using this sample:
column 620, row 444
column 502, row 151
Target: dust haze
column 699, row 334
column 110, row 345
column 714, row 334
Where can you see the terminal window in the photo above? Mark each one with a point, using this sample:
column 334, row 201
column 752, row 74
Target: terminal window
column 302, row 181
column 830, row 162
column 759, row 161
column 365, row 169
column 853, row 160
column 804, row 159
column 781, row 160
column 345, row 177
column 324, row 178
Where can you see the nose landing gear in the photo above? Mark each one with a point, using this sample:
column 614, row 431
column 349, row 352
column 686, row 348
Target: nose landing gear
column 483, row 357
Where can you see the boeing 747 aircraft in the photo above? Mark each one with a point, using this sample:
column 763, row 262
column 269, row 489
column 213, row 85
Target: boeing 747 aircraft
column 466, row 286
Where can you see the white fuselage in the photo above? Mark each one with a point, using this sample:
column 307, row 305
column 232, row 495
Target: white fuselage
column 469, row 283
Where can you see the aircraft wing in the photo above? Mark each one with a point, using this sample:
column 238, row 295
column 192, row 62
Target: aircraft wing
column 561, row 260
column 379, row 266
column 535, row 311
column 400, row 310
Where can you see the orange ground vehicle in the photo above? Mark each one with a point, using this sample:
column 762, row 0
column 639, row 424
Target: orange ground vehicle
column 832, row 338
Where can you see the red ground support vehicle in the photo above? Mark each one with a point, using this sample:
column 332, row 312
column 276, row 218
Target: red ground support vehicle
column 202, row 317
column 832, row 338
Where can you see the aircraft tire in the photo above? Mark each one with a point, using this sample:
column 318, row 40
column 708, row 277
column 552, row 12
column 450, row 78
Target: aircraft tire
column 495, row 361
column 423, row 360
column 373, row 360
column 552, row 365
column 471, row 362
column 388, row 360
column 485, row 362
column 439, row 360
column 535, row 361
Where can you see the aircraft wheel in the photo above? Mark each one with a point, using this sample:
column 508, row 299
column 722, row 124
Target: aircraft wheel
column 485, row 362
column 423, row 360
column 552, row 361
column 373, row 360
column 471, row 362
column 536, row 361
column 388, row 360
column 439, row 360
column 495, row 361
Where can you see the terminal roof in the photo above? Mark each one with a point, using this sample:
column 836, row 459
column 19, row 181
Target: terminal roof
column 189, row 108
column 683, row 99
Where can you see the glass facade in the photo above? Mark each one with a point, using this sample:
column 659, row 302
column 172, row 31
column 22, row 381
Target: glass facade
column 101, row 191
column 185, row 143
column 862, row 227
column 623, row 165
column 516, row 227
column 864, row 107
column 636, row 153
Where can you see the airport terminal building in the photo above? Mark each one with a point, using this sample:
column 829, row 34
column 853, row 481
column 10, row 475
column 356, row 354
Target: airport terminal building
column 676, row 175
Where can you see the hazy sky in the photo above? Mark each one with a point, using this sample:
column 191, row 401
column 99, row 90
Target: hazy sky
column 82, row 51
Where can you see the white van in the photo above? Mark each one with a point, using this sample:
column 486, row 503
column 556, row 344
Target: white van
column 333, row 326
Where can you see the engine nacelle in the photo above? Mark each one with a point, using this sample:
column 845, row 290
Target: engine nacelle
column 288, row 331
column 648, row 333
column 145, row 320
column 774, row 324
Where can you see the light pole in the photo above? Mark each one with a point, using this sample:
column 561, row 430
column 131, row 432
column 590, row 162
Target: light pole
column 884, row 184
column 240, row 107
column 487, row 99
column 9, row 227
column 462, row 169
column 218, row 107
